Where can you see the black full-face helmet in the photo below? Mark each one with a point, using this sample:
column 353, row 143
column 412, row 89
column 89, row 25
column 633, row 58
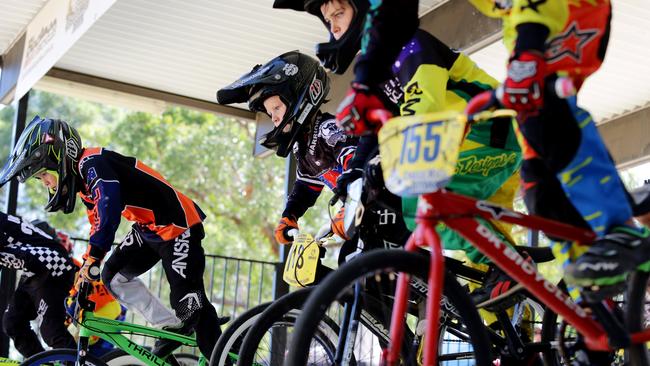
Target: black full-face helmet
column 336, row 55
column 47, row 145
column 300, row 82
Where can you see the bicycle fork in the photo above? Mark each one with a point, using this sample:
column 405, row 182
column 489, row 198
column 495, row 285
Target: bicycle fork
column 349, row 328
column 423, row 235
column 82, row 351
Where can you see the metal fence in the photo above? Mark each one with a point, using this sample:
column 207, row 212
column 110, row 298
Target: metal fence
column 233, row 285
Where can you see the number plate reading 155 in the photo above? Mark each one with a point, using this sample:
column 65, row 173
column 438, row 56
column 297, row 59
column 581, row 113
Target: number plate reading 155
column 300, row 267
column 419, row 153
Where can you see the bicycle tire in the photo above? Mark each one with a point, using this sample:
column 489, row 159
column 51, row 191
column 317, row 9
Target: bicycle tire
column 231, row 339
column 118, row 357
column 66, row 356
column 370, row 264
column 637, row 315
column 284, row 310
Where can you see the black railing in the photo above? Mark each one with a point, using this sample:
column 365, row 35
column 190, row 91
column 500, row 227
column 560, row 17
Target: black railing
column 233, row 285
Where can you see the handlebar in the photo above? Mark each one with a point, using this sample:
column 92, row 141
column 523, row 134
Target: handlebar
column 379, row 115
column 562, row 88
column 83, row 302
column 293, row 233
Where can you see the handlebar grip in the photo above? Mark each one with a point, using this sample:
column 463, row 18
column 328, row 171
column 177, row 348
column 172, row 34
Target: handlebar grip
column 379, row 115
column 563, row 88
column 293, row 233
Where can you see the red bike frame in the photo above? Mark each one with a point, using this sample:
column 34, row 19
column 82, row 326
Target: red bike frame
column 459, row 213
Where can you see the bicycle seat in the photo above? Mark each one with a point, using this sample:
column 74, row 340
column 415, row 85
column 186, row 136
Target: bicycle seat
column 641, row 198
column 536, row 254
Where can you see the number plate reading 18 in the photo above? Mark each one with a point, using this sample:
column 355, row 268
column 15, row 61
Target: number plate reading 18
column 419, row 153
column 300, row 267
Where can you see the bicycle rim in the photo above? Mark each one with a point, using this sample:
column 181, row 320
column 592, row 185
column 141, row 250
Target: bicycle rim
column 376, row 271
column 272, row 349
column 63, row 357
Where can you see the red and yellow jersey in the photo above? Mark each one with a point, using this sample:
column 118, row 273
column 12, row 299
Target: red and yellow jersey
column 117, row 185
column 578, row 30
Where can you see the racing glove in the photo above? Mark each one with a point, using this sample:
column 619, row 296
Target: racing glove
column 282, row 230
column 345, row 179
column 351, row 113
column 338, row 224
column 523, row 89
column 89, row 270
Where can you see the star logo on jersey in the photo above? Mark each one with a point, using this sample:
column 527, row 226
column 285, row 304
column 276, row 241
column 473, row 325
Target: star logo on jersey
column 570, row 43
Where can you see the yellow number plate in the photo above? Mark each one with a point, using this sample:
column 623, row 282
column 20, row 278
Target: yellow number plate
column 419, row 153
column 8, row 362
column 300, row 267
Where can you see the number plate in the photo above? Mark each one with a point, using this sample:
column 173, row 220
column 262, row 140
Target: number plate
column 419, row 153
column 300, row 267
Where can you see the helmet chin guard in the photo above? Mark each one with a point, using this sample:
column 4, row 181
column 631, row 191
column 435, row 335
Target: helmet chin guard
column 335, row 55
column 300, row 83
column 47, row 145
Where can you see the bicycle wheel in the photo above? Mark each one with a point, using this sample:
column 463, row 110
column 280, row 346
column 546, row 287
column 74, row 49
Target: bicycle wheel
column 265, row 343
column 377, row 270
column 565, row 344
column 227, row 348
column 61, row 356
column 560, row 337
column 637, row 315
column 118, row 357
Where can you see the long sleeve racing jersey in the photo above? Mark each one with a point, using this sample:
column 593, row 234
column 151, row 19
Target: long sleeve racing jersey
column 321, row 157
column 116, row 185
column 577, row 31
column 27, row 248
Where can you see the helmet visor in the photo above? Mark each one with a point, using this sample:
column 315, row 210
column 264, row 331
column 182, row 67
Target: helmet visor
column 29, row 155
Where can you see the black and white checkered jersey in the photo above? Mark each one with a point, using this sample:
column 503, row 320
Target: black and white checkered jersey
column 25, row 247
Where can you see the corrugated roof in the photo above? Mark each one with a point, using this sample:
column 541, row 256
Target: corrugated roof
column 16, row 14
column 192, row 49
column 622, row 85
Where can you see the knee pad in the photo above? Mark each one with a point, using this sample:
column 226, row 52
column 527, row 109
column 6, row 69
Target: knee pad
column 190, row 304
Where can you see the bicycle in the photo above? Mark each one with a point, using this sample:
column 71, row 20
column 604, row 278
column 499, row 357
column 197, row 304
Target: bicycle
column 231, row 340
column 114, row 332
column 370, row 311
column 462, row 214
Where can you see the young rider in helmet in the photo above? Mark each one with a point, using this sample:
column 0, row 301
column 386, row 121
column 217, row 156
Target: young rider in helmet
column 167, row 224
column 47, row 274
column 563, row 171
column 575, row 163
column 427, row 76
column 290, row 89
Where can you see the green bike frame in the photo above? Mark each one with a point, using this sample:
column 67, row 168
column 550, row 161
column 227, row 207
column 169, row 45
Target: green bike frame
column 113, row 332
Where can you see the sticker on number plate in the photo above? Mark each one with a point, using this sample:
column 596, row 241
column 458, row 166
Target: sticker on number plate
column 419, row 153
column 302, row 261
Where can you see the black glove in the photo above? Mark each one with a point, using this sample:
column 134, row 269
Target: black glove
column 346, row 178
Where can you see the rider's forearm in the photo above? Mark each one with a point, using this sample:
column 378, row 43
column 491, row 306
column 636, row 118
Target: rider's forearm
column 389, row 26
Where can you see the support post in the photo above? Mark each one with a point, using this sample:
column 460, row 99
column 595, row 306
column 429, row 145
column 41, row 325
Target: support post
column 7, row 276
column 281, row 288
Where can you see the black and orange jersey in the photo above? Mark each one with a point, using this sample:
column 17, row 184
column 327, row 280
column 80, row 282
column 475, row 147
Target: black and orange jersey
column 117, row 185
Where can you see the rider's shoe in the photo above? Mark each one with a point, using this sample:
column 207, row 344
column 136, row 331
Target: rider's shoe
column 163, row 347
column 499, row 291
column 611, row 258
